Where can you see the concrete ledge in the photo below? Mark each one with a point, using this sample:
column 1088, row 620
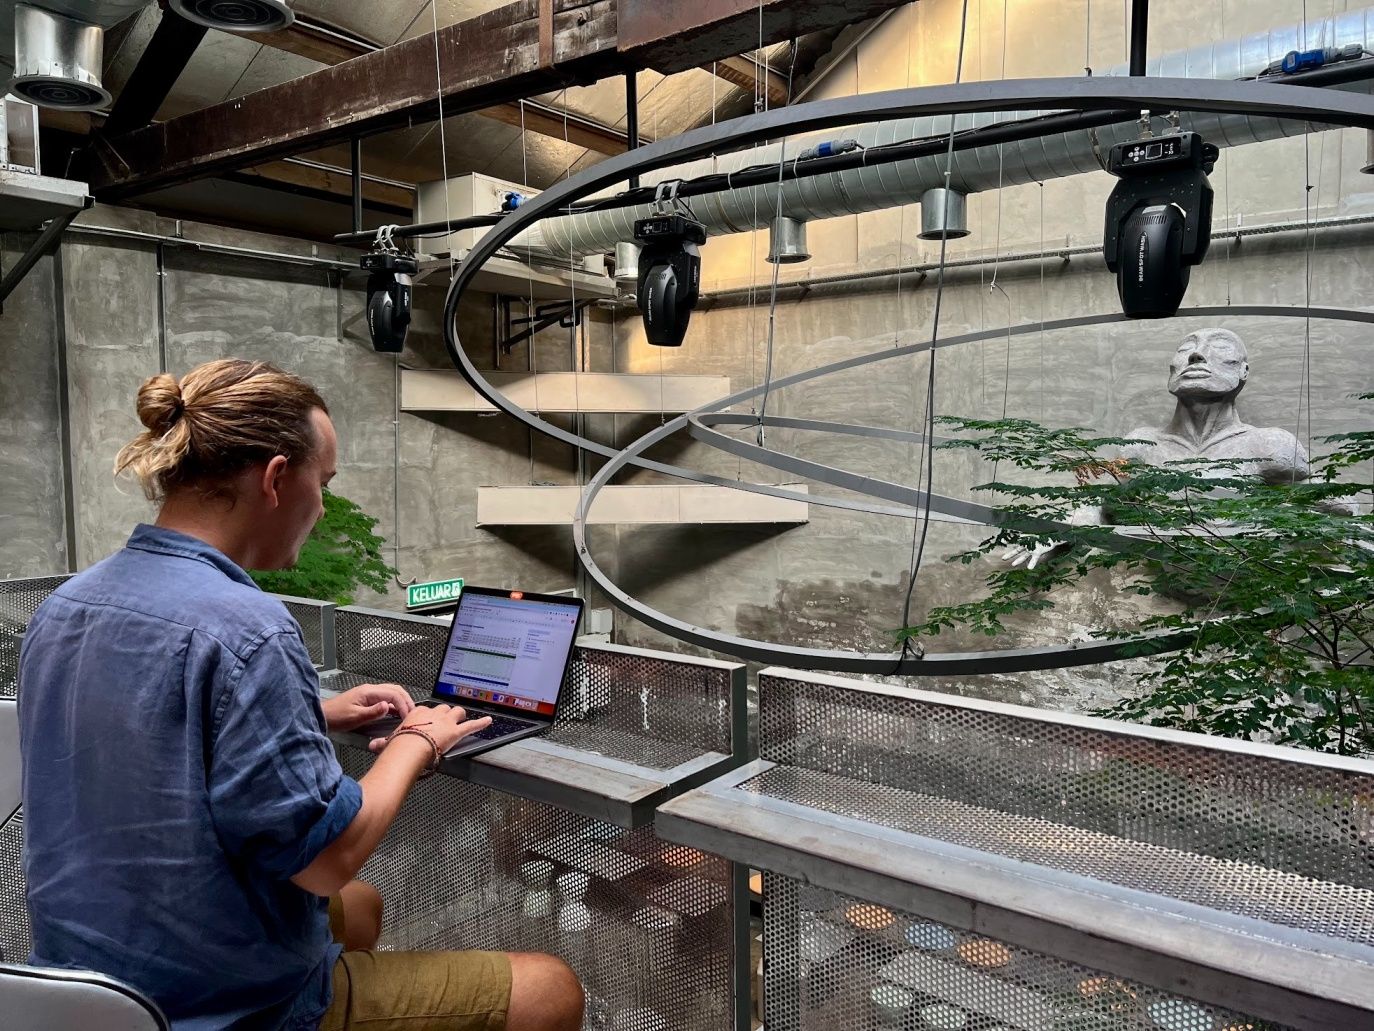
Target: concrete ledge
column 647, row 503
column 443, row 391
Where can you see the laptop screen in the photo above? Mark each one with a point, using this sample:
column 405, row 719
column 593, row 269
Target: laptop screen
column 508, row 649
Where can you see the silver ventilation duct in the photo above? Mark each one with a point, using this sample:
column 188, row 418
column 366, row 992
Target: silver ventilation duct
column 59, row 50
column 882, row 186
column 236, row 15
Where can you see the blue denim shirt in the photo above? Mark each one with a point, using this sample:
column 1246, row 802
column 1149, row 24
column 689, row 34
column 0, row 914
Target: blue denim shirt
column 176, row 775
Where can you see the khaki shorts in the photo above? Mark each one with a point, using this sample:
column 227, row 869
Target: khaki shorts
column 416, row 991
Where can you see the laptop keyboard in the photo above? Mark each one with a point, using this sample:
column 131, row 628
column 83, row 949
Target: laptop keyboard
column 500, row 726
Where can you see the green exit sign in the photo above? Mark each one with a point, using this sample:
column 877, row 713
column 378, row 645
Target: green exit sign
column 436, row 592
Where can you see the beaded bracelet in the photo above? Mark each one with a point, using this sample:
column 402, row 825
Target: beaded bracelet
column 414, row 728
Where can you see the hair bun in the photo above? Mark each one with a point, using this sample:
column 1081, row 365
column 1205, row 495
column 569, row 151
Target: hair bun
column 160, row 405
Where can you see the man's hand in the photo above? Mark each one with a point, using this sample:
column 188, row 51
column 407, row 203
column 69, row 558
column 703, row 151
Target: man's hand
column 446, row 724
column 366, row 704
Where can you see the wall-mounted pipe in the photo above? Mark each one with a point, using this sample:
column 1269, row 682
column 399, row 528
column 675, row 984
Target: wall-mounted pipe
column 1036, row 160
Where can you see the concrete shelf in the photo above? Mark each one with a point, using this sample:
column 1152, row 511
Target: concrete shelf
column 514, row 278
column 663, row 504
column 27, row 201
column 444, row 391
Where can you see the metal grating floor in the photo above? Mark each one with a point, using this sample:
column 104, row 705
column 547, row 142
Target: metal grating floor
column 1246, row 889
column 835, row 962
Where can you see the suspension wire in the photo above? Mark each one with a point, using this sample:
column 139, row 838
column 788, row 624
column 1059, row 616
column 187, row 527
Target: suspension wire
column 443, row 141
column 1088, row 38
column 777, row 267
column 531, row 352
column 1305, row 380
column 1042, row 303
column 901, row 218
column 997, row 248
column 572, row 314
column 919, row 538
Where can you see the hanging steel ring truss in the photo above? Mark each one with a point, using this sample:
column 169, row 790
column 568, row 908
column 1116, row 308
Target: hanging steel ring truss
column 1279, row 101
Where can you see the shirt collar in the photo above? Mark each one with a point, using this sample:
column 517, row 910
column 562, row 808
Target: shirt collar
column 161, row 541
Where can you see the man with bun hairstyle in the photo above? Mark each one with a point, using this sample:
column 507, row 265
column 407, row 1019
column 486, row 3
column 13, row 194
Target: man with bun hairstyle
column 188, row 828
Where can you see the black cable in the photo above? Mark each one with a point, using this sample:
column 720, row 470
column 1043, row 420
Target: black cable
column 919, row 542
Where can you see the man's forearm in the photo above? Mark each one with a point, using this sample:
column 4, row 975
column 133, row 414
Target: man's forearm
column 384, row 789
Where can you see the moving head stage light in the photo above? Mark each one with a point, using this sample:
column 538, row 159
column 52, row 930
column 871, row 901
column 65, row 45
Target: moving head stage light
column 669, row 275
column 389, row 298
column 1159, row 220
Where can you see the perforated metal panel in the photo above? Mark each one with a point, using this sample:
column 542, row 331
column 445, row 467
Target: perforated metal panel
column 646, row 925
column 317, row 626
column 1237, row 829
column 832, row 961
column 651, row 710
column 390, row 647
column 14, row 914
column 19, row 600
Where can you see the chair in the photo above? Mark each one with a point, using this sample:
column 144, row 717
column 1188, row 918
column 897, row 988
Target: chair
column 44, row 999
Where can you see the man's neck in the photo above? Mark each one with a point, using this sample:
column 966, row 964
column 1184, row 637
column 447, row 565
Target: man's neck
column 1202, row 419
column 213, row 522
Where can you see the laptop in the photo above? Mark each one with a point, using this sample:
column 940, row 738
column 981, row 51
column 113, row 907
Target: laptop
column 507, row 657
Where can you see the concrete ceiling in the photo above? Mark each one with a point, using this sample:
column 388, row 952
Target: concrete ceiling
column 225, row 66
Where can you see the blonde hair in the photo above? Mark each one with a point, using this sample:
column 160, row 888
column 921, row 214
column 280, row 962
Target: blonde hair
column 219, row 419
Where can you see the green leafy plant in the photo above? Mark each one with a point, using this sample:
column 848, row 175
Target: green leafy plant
column 341, row 555
column 1271, row 587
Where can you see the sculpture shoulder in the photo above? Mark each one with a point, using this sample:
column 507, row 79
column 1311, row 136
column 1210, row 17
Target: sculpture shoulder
column 1146, row 449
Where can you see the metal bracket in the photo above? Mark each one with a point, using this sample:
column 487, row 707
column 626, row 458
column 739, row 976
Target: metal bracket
column 46, row 242
column 567, row 314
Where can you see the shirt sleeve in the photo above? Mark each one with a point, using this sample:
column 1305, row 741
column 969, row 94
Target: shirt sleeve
column 278, row 797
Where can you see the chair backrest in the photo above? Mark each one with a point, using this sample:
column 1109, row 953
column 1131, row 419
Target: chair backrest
column 43, row 999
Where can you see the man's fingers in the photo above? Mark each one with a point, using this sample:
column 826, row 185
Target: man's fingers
column 376, row 744
column 473, row 726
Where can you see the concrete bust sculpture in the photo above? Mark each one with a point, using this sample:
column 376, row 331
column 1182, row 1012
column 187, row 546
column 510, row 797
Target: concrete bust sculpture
column 1206, row 374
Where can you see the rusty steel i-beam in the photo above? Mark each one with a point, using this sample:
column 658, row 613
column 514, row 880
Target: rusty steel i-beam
column 497, row 57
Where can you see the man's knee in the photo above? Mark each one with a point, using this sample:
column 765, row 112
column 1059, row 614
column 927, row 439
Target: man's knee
column 545, row 994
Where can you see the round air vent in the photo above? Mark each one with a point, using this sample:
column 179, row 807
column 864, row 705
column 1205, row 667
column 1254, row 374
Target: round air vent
column 236, row 15
column 57, row 60
column 47, row 91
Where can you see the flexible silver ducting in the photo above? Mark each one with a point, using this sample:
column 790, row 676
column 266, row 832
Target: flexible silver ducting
column 881, row 186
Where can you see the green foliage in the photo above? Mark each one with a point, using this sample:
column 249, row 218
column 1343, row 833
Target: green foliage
column 1275, row 582
column 341, row 555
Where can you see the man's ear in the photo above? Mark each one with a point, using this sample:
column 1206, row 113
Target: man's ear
column 270, row 483
column 1244, row 371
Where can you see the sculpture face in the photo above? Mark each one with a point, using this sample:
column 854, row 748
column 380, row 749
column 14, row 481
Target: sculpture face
column 1208, row 364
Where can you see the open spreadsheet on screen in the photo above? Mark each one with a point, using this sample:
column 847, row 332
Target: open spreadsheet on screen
column 508, row 651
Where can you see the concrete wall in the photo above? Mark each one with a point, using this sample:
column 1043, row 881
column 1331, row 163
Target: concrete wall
column 839, row 581
column 100, row 312
column 32, row 517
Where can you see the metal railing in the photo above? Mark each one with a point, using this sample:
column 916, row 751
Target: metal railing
column 548, row 844
column 965, row 863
